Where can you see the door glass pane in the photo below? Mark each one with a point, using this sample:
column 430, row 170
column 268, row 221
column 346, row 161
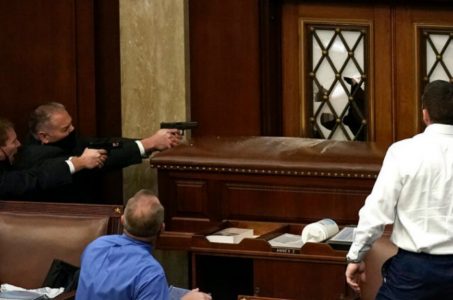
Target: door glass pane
column 438, row 54
column 338, row 82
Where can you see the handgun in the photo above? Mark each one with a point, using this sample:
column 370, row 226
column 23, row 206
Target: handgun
column 181, row 126
column 108, row 146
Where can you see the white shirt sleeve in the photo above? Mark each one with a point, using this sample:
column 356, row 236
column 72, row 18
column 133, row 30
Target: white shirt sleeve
column 141, row 148
column 71, row 165
column 379, row 209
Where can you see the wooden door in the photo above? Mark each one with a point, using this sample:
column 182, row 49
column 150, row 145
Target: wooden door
column 404, row 47
column 302, row 26
column 421, row 32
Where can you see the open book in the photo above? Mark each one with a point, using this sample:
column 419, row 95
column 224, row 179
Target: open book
column 343, row 239
column 230, row 235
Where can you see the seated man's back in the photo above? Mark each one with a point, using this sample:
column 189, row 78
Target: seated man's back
column 119, row 267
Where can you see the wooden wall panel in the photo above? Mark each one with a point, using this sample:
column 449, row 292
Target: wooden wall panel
column 191, row 198
column 38, row 58
column 224, row 67
column 56, row 51
column 107, row 64
column 195, row 199
column 296, row 280
column 302, row 204
column 84, row 68
column 408, row 118
column 108, row 84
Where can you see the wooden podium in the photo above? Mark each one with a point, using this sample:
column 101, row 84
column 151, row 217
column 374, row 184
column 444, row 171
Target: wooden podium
column 274, row 185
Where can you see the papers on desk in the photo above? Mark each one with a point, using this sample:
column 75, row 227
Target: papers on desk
column 9, row 291
column 24, row 295
column 230, row 235
column 292, row 243
column 287, row 243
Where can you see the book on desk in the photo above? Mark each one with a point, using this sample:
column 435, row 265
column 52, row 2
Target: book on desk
column 230, row 235
column 286, row 243
column 343, row 239
column 292, row 243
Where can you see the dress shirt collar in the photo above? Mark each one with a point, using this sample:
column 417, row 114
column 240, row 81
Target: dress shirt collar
column 129, row 239
column 437, row 128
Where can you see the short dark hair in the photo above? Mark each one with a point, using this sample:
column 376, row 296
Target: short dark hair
column 5, row 125
column 42, row 115
column 437, row 99
column 143, row 215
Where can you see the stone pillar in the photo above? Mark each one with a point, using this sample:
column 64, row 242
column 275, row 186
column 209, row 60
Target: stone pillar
column 154, row 88
column 153, row 73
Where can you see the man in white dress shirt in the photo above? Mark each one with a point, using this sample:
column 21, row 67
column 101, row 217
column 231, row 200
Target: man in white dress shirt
column 414, row 192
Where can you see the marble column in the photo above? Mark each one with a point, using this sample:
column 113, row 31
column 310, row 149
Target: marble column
column 154, row 88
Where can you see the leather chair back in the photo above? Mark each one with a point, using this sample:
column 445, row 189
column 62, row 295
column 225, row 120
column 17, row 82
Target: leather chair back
column 30, row 242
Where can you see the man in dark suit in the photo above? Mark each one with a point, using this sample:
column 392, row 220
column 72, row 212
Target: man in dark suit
column 51, row 173
column 52, row 135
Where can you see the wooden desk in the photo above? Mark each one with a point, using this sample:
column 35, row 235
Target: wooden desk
column 263, row 179
column 253, row 267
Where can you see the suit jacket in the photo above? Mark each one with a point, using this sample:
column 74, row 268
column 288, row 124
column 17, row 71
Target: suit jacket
column 16, row 184
column 85, row 185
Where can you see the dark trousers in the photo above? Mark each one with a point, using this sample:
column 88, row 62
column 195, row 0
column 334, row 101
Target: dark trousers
column 417, row 276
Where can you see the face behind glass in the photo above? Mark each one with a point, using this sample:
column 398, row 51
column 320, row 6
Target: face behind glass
column 12, row 144
column 59, row 127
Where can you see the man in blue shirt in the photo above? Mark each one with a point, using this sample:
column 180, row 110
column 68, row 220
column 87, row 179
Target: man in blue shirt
column 121, row 267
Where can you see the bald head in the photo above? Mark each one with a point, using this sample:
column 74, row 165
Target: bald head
column 143, row 215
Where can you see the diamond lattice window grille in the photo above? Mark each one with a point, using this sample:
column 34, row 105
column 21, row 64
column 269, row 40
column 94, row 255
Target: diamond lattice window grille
column 438, row 54
column 338, row 81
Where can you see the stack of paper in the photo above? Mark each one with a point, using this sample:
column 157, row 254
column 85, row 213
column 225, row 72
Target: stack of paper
column 287, row 240
column 230, row 235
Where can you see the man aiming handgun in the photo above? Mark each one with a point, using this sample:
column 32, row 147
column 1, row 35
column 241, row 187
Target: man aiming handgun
column 52, row 134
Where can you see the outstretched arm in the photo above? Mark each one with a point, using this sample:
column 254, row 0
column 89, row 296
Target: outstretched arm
column 161, row 140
